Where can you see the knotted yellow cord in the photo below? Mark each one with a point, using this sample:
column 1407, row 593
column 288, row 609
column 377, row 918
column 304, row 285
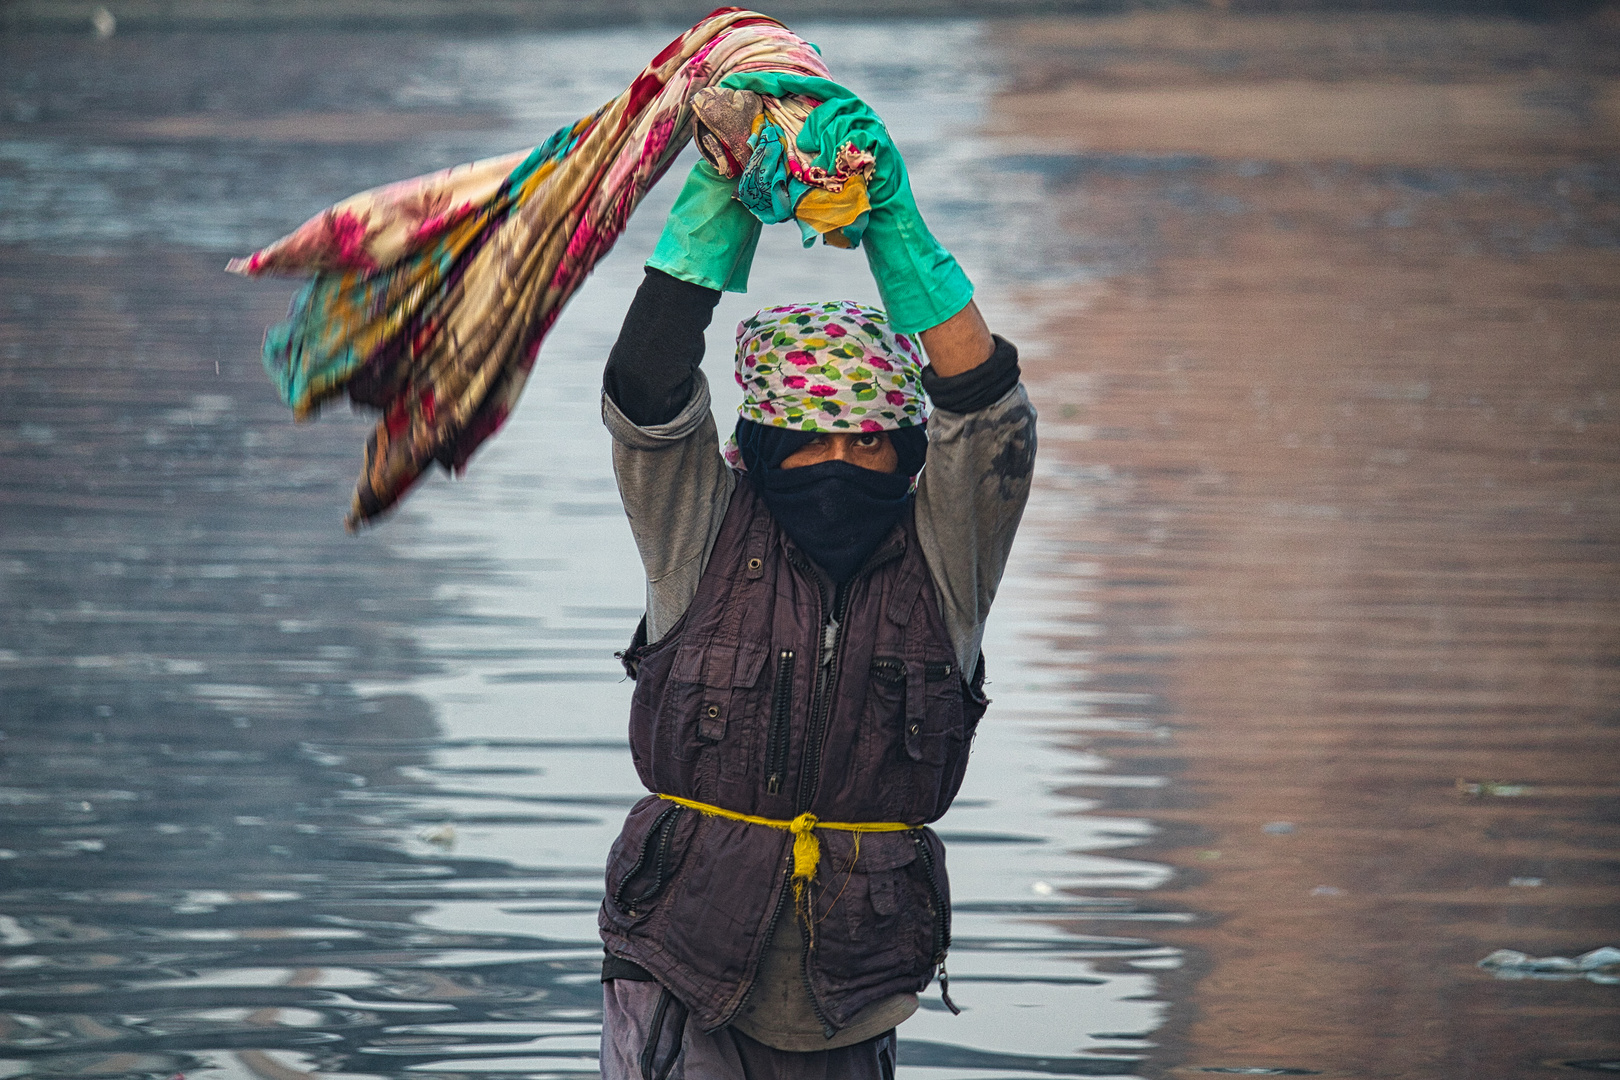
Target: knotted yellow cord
column 806, row 848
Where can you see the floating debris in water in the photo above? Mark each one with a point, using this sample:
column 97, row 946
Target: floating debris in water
column 1599, row 965
column 1525, row 883
column 1500, row 789
column 1277, row 828
column 441, row 836
column 1327, row 890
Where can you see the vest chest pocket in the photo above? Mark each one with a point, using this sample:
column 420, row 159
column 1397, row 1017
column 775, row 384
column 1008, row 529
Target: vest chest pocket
column 709, row 701
column 924, row 698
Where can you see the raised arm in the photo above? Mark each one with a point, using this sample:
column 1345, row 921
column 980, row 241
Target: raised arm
column 981, row 435
column 655, row 402
column 960, row 343
column 970, row 499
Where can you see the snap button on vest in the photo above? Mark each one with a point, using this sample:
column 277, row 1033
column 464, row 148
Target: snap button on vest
column 712, row 726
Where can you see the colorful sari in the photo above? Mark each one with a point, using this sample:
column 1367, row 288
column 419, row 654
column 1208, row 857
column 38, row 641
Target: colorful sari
column 431, row 296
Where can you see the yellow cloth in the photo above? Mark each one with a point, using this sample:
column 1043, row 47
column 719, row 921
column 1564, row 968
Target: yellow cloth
column 828, row 212
column 806, row 848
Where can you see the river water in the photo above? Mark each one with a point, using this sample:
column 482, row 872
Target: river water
column 282, row 802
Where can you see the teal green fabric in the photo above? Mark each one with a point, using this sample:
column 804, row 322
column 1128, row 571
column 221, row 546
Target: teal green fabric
column 709, row 237
column 764, row 186
column 921, row 283
column 771, row 192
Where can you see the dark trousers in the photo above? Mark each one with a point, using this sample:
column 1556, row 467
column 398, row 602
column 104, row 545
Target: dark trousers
column 645, row 1036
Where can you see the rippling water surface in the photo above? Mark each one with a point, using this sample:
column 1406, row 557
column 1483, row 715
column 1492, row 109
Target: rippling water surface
column 1303, row 671
column 280, row 802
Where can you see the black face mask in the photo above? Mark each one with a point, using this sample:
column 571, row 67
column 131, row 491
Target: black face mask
column 836, row 512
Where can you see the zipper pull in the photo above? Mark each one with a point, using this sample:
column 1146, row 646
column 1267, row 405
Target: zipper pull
column 945, row 990
column 829, row 638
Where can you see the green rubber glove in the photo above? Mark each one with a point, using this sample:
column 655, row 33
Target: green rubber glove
column 921, row 283
column 709, row 237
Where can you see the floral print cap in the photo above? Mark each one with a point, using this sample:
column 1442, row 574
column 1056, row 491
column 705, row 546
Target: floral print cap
column 827, row 367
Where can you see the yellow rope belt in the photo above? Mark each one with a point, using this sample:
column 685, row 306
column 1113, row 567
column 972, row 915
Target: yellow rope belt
column 806, row 848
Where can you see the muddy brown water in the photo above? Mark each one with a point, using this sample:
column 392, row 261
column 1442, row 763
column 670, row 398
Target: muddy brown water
column 1304, row 668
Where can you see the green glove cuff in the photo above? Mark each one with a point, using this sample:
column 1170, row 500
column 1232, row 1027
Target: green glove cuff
column 709, row 237
column 920, row 282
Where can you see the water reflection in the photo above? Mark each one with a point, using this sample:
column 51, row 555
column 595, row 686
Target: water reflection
column 1345, row 426
column 281, row 802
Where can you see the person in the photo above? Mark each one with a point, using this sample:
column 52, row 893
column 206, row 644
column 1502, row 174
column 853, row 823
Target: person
column 808, row 674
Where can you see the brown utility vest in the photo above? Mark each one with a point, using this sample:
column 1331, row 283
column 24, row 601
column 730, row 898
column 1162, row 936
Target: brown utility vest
column 775, row 694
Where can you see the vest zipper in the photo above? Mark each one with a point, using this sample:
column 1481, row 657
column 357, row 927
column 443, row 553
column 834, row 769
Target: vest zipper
column 942, row 920
column 821, row 699
column 770, row 931
column 776, row 743
column 820, row 708
column 810, row 770
column 804, row 965
column 663, row 827
column 826, row 671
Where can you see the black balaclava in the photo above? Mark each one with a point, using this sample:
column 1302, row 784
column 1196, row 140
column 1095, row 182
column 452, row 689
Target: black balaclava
column 836, row 512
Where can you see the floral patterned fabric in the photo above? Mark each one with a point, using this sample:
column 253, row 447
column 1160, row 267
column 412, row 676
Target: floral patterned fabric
column 777, row 185
column 829, row 367
column 430, row 297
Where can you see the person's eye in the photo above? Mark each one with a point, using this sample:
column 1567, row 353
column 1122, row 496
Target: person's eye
column 867, row 442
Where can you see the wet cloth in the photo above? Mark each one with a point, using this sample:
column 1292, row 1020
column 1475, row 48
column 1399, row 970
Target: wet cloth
column 920, row 282
column 776, row 187
column 631, row 1019
column 776, row 180
column 431, row 297
column 839, row 217
column 763, row 187
column 726, row 120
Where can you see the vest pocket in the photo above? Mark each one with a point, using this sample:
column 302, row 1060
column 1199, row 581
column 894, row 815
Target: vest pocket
column 879, row 899
column 925, row 699
column 707, row 702
column 645, row 858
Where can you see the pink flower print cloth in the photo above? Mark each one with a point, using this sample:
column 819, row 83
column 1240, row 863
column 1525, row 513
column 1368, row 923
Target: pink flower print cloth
column 830, row 367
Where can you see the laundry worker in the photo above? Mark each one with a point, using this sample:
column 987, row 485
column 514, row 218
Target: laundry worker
column 808, row 673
